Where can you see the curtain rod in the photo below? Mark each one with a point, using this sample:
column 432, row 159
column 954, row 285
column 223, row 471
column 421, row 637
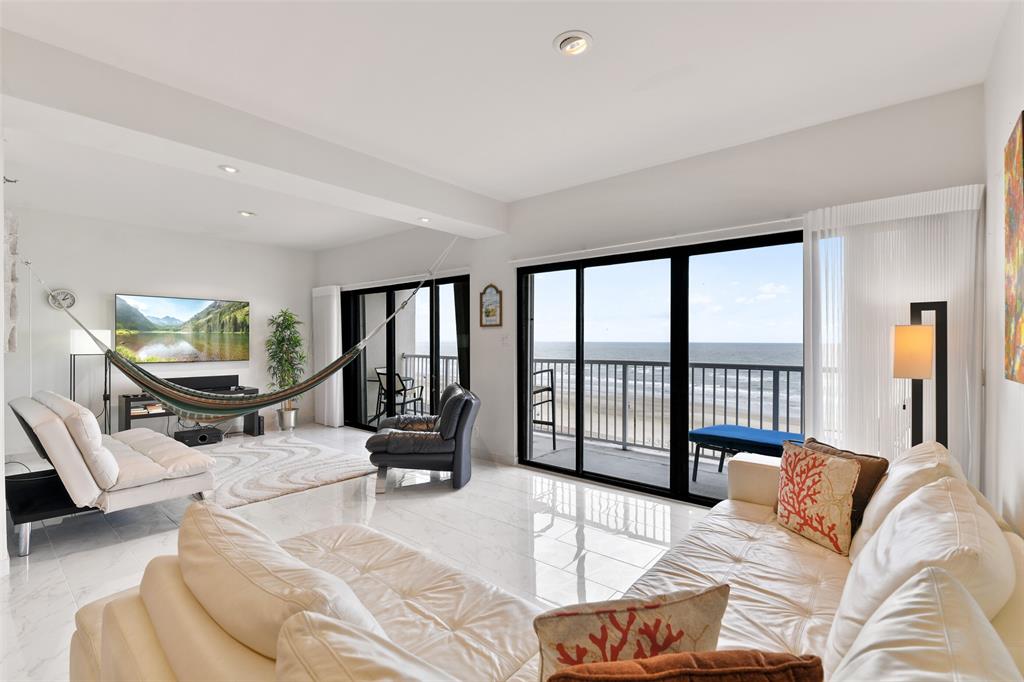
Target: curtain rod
column 647, row 244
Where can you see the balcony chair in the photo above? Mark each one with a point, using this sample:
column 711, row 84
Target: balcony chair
column 92, row 469
column 545, row 395
column 439, row 445
column 406, row 393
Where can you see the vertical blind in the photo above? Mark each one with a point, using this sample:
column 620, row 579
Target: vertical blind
column 865, row 264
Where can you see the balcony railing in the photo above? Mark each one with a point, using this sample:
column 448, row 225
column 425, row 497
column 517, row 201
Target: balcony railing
column 627, row 402
column 418, row 367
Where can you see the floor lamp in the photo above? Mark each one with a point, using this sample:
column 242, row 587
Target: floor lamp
column 82, row 344
column 916, row 348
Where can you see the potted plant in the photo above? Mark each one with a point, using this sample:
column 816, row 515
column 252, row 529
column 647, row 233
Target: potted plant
column 287, row 362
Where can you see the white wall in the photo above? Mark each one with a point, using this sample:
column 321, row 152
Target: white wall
column 97, row 260
column 1004, row 428
column 925, row 144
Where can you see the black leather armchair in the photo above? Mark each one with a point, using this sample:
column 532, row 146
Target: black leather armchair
column 440, row 443
column 421, row 422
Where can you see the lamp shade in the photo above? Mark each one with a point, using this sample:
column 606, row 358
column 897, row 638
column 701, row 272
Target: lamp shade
column 913, row 351
column 81, row 344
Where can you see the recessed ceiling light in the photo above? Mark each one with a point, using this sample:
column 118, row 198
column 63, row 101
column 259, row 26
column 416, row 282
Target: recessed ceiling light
column 573, row 43
column 247, row 214
column 424, row 220
column 228, row 169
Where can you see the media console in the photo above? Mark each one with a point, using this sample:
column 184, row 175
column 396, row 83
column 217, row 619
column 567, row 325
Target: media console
column 132, row 406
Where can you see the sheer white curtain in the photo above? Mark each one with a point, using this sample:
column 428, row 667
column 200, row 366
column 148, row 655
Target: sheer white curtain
column 326, row 348
column 864, row 265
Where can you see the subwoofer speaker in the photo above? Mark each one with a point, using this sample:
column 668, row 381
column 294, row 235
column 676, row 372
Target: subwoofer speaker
column 205, row 435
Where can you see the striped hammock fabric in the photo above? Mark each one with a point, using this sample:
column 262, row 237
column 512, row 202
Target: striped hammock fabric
column 211, row 408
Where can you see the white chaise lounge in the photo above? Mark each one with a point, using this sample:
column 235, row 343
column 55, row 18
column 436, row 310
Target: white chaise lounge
column 107, row 472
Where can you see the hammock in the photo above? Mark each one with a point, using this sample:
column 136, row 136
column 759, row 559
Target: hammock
column 211, row 408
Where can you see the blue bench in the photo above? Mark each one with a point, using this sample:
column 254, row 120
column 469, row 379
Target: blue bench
column 732, row 438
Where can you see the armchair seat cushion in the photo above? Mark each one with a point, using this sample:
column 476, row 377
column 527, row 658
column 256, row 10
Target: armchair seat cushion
column 396, row 442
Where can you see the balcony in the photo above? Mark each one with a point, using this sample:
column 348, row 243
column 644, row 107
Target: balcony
column 627, row 412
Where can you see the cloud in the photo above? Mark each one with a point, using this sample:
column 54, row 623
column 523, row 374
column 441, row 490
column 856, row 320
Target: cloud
column 772, row 289
column 765, row 292
column 700, row 299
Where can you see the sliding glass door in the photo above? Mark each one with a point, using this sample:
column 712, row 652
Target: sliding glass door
column 600, row 341
column 423, row 349
column 627, row 418
column 551, row 378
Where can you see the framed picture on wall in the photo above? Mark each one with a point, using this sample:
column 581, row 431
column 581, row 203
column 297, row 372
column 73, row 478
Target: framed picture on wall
column 490, row 306
column 1014, row 235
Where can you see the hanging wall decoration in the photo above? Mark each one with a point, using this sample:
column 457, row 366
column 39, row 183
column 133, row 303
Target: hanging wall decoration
column 10, row 281
column 1013, row 178
column 490, row 306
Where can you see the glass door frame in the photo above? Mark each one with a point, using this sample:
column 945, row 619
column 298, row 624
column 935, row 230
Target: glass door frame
column 678, row 357
column 351, row 330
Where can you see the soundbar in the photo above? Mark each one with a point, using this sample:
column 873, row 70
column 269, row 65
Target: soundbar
column 221, row 382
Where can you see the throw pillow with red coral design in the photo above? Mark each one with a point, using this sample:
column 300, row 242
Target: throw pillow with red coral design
column 816, row 496
column 627, row 629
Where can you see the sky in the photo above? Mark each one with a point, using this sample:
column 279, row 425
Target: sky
column 159, row 306
column 446, row 296
column 748, row 296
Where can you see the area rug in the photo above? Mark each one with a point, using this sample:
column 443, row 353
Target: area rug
column 249, row 469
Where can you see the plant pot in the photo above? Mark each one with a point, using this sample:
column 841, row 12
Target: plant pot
column 286, row 418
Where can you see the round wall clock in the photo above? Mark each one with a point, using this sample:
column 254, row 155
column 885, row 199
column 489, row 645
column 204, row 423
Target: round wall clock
column 61, row 299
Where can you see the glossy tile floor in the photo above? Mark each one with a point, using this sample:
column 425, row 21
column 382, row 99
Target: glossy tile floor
column 549, row 539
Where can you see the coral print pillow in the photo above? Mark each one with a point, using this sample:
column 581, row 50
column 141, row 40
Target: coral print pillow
column 627, row 629
column 816, row 496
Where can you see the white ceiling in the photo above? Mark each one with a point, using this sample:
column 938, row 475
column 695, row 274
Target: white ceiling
column 474, row 94
column 82, row 181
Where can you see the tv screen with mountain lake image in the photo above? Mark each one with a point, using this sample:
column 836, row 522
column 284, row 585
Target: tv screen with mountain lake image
column 169, row 329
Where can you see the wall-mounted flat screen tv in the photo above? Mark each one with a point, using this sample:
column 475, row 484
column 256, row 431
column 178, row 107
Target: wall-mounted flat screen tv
column 170, row 329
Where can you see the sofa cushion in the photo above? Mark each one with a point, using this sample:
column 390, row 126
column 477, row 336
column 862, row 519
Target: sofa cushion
column 784, row 589
column 226, row 562
column 816, row 496
column 623, row 629
column 930, row 628
column 1009, row 622
column 314, row 648
column 85, row 431
column 742, row 665
column 454, row 621
column 175, row 458
column 939, row 525
column 912, row 469
column 195, row 645
column 145, row 456
column 872, row 471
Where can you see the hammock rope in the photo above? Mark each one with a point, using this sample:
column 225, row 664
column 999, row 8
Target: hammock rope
column 205, row 407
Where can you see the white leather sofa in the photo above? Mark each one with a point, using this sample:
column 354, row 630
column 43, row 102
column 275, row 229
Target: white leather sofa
column 787, row 594
column 108, row 472
column 790, row 594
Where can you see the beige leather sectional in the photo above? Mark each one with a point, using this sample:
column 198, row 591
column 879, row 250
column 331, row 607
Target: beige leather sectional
column 933, row 590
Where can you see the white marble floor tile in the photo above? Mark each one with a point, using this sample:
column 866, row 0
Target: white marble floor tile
column 550, row 539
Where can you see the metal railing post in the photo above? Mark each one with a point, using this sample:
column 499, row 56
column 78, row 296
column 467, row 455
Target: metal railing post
column 775, row 400
column 625, row 405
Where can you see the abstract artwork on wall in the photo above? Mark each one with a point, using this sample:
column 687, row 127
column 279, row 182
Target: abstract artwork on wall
column 1014, row 191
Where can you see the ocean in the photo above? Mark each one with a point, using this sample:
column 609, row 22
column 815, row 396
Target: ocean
column 739, row 353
